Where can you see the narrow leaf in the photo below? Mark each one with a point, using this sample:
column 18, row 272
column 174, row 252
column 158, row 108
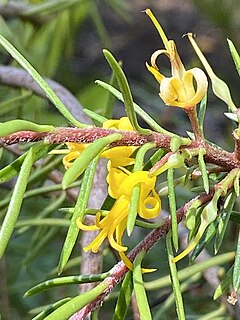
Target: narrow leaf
column 134, row 202
column 12, row 126
column 175, row 279
column 203, row 169
column 141, row 297
column 224, row 285
column 172, row 206
column 50, row 308
column 235, row 55
column 15, row 202
column 201, row 114
column 224, row 219
column 124, row 297
column 62, row 281
column 236, row 268
column 77, row 303
column 79, row 212
column 126, row 92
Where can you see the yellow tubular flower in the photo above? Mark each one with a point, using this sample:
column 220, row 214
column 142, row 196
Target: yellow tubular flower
column 112, row 226
column 184, row 89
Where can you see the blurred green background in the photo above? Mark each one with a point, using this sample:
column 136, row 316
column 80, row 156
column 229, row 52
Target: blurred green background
column 64, row 40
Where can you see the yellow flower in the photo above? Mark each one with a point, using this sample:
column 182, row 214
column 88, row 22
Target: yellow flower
column 179, row 90
column 112, row 226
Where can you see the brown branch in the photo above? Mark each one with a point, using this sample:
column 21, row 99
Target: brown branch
column 214, row 155
column 19, row 78
column 119, row 270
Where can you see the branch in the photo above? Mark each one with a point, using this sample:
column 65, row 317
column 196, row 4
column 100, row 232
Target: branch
column 19, row 78
column 214, row 155
column 119, row 270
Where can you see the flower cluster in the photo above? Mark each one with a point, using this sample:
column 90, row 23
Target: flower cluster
column 120, row 185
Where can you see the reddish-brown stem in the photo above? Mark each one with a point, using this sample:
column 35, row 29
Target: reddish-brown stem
column 119, row 270
column 192, row 115
column 214, row 155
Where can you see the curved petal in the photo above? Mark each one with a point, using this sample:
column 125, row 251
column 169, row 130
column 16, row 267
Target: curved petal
column 201, row 84
column 167, row 91
column 69, row 158
column 150, row 207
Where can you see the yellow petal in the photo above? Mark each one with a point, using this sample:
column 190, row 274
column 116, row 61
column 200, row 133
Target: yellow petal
column 119, row 124
column 69, row 158
column 158, row 76
column 120, row 156
column 150, row 207
column 201, row 85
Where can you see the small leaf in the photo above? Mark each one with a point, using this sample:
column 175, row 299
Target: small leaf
column 224, row 285
column 126, row 92
column 201, row 114
column 124, row 297
column 134, row 202
column 141, row 297
column 12, row 126
column 88, row 154
column 95, row 116
column 79, row 211
column 172, row 206
column 77, row 303
column 62, row 281
column 223, row 220
column 236, row 267
column 235, row 55
column 15, row 204
column 203, row 169
column 175, row 279
column 50, row 308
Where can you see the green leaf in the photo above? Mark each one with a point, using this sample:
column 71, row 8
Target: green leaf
column 224, row 219
column 141, row 297
column 236, row 268
column 12, row 126
column 175, row 279
column 77, row 303
column 88, row 154
column 16, row 201
column 50, row 308
column 79, row 212
column 235, row 55
column 172, row 206
column 201, row 114
column 124, row 297
column 41, row 82
column 62, row 281
column 224, row 285
column 134, row 202
column 206, row 238
column 126, row 92
column 203, row 169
